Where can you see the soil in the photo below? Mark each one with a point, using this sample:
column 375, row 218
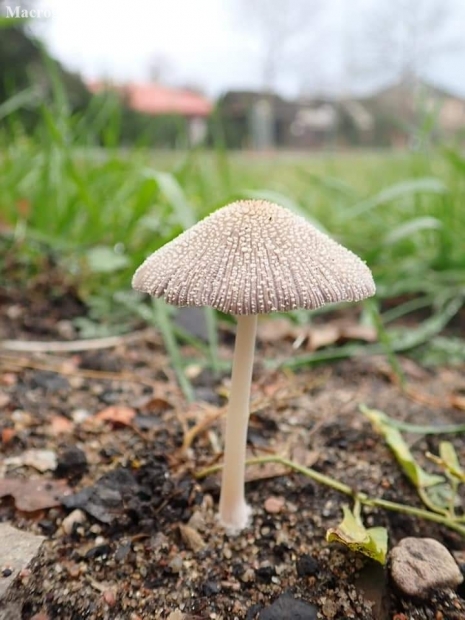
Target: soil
column 147, row 543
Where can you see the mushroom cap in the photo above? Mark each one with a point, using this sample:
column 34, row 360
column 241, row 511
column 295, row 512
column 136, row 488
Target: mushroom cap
column 254, row 257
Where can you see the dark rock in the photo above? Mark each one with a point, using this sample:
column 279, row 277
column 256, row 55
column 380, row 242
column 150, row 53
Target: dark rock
column 72, row 463
column 287, row 607
column 210, row 588
column 123, row 551
column 110, row 397
column 208, row 395
column 47, row 526
column 253, row 611
column 307, row 566
column 49, row 381
column 104, row 500
column 237, row 569
column 265, row 573
column 100, row 360
column 98, row 552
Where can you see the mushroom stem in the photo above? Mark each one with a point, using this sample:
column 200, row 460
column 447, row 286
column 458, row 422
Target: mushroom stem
column 234, row 512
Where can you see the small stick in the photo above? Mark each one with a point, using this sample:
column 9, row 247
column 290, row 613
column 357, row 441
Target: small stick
column 72, row 346
column 347, row 490
column 99, row 375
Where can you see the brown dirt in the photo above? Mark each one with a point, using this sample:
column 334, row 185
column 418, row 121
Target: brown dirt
column 131, row 558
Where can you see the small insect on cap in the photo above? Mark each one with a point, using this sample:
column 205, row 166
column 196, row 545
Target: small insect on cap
column 254, row 257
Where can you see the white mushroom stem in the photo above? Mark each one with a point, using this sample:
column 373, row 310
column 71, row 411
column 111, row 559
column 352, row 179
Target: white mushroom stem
column 234, row 512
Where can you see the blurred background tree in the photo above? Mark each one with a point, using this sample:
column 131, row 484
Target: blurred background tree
column 25, row 65
column 283, row 30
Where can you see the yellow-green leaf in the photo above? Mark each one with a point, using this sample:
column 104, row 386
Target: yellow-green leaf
column 351, row 532
column 416, row 474
column 450, row 459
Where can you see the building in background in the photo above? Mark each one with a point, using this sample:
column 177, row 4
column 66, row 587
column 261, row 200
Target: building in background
column 412, row 111
column 291, row 124
column 158, row 100
column 404, row 115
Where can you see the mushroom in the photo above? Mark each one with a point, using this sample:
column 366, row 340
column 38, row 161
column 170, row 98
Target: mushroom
column 251, row 257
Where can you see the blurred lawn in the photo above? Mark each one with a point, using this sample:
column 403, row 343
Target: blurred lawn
column 100, row 211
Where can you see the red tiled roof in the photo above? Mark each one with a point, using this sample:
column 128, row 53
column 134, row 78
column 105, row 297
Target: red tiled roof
column 157, row 99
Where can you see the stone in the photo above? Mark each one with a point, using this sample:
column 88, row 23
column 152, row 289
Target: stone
column 273, row 505
column 12, row 611
column 75, row 518
column 17, row 550
column 419, row 565
column 307, row 566
column 286, row 606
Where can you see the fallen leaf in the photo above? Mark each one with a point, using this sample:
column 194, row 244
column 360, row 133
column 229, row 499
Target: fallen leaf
column 458, row 401
column 359, row 331
column 35, row 493
column 372, row 542
column 156, row 404
column 322, row 336
column 416, row 474
column 273, row 330
column 118, row 414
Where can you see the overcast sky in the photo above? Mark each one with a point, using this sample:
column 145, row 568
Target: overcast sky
column 207, row 43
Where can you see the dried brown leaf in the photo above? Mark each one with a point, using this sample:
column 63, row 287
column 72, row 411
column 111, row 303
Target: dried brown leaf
column 35, row 493
column 323, row 336
column 117, row 414
column 273, row 330
column 357, row 331
column 458, row 401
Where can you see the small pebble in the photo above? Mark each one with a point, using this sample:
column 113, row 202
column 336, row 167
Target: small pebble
column 80, row 415
column 307, row 566
column 210, row 588
column 75, row 518
column 419, row 565
column 265, row 572
column 286, row 606
column 176, row 564
column 109, row 597
column 248, row 576
column 273, row 505
column 191, row 538
column 197, row 521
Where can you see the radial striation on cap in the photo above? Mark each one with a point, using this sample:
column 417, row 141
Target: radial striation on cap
column 254, row 257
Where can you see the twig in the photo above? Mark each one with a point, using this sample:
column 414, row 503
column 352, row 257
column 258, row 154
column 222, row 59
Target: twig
column 101, row 375
column 72, row 346
column 347, row 490
column 209, row 419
